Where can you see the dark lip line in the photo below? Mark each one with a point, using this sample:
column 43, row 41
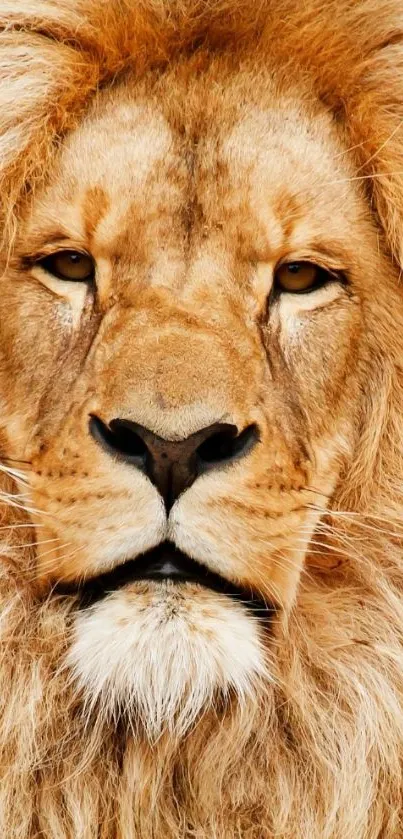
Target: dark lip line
column 95, row 589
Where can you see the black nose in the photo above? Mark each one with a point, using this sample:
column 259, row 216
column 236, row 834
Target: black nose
column 173, row 465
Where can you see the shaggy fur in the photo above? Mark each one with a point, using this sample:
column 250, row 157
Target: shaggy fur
column 298, row 734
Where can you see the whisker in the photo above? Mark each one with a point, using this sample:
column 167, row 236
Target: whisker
column 35, row 544
column 316, row 492
column 360, row 520
column 382, row 146
column 16, row 460
column 14, row 474
column 346, row 151
column 17, row 526
column 376, row 175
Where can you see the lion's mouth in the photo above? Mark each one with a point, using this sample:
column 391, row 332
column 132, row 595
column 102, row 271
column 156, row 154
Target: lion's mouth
column 164, row 563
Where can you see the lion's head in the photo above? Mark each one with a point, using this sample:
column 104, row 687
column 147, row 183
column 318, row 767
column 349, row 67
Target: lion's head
column 201, row 337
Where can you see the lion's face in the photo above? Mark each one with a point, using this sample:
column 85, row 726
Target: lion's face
column 192, row 380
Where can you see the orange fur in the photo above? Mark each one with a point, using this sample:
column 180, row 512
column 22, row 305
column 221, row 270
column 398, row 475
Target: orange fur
column 189, row 146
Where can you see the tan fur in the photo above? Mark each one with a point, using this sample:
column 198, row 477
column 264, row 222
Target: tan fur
column 189, row 146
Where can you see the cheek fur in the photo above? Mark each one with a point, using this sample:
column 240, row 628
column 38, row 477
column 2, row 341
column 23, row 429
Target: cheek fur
column 161, row 657
column 320, row 346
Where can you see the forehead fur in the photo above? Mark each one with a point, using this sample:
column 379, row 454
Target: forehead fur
column 53, row 57
column 167, row 152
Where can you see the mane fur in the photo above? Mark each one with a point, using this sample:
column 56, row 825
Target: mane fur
column 318, row 755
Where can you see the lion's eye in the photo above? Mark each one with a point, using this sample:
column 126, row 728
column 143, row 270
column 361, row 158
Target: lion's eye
column 298, row 277
column 69, row 265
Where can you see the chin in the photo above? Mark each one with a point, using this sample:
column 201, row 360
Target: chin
column 167, row 646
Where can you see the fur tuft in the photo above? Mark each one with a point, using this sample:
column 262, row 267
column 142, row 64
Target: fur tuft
column 165, row 686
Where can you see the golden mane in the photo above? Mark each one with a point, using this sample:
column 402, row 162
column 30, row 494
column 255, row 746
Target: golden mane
column 329, row 676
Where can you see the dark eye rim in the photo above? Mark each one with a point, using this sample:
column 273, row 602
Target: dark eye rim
column 44, row 262
column 326, row 277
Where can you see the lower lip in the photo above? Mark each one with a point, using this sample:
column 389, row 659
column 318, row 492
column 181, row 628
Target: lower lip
column 160, row 565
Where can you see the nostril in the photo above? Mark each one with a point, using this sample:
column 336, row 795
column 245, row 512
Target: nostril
column 217, row 447
column 127, row 440
column 227, row 446
column 119, row 438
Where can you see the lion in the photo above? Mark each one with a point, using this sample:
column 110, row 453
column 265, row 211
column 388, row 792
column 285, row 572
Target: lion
column 201, row 383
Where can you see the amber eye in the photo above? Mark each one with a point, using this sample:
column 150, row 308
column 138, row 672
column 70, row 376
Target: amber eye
column 297, row 277
column 69, row 265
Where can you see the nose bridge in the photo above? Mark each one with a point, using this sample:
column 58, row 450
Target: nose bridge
column 186, row 364
column 171, row 373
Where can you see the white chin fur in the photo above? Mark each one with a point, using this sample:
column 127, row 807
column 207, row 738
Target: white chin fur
column 162, row 654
